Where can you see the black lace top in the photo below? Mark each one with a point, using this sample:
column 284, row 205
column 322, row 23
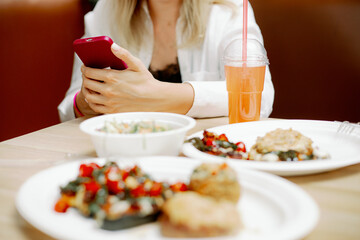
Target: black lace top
column 170, row 74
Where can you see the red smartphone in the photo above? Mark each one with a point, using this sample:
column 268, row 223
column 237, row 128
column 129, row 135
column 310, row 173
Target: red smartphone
column 96, row 52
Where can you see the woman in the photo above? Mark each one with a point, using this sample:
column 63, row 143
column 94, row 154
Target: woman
column 180, row 42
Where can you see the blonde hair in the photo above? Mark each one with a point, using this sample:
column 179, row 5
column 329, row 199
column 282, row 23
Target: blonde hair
column 132, row 16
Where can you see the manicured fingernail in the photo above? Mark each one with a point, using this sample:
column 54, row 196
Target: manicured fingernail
column 115, row 47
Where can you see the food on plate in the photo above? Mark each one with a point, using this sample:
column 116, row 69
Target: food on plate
column 149, row 126
column 277, row 145
column 284, row 145
column 122, row 198
column 190, row 214
column 117, row 198
column 216, row 180
column 219, row 145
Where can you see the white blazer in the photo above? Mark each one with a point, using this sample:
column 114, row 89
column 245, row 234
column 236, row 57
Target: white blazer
column 201, row 67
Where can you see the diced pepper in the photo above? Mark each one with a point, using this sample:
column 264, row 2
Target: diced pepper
column 114, row 187
column 92, row 187
column 113, row 176
column 87, row 169
column 156, row 189
column 179, row 187
column 209, row 142
column 62, row 204
column 139, row 191
column 223, row 137
column 240, row 147
column 124, row 174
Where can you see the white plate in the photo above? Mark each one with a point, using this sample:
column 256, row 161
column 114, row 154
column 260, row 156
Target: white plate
column 344, row 149
column 271, row 207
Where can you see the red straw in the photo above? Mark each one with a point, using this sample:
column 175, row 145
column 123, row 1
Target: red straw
column 245, row 26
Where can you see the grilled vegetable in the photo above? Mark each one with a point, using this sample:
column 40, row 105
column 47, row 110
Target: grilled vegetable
column 117, row 198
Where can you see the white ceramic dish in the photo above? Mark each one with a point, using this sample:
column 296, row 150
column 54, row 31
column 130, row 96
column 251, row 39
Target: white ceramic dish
column 137, row 144
column 344, row 149
column 271, row 207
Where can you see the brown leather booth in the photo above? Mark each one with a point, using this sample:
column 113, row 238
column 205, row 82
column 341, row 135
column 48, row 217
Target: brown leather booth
column 35, row 60
column 313, row 47
column 314, row 52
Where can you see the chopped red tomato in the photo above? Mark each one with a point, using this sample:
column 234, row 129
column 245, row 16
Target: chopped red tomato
column 223, row 137
column 87, row 169
column 179, row 187
column 92, row 187
column 138, row 192
column 209, row 142
column 113, row 176
column 124, row 174
column 114, row 187
column 156, row 189
column 240, row 147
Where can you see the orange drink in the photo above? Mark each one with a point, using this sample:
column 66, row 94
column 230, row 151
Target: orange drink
column 244, row 85
column 245, row 63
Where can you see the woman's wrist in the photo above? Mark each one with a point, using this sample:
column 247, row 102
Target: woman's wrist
column 77, row 112
column 81, row 107
column 179, row 97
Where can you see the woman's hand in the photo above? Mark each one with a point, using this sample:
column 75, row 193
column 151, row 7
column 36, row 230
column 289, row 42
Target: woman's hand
column 133, row 89
column 83, row 106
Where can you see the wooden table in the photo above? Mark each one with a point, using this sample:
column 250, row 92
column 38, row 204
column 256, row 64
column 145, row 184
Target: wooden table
column 337, row 193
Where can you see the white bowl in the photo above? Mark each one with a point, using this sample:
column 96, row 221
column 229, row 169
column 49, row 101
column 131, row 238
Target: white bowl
column 138, row 144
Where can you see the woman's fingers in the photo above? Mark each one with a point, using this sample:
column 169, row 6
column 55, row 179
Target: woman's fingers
column 93, row 97
column 109, row 90
column 92, row 85
column 107, row 75
column 97, row 74
column 99, row 108
column 132, row 62
column 134, row 65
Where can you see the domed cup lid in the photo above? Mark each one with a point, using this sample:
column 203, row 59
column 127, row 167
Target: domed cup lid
column 256, row 53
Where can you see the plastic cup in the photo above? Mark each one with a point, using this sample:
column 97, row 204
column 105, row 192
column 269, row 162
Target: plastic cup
column 244, row 79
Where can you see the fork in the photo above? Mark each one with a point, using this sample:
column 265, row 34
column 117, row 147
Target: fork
column 347, row 127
